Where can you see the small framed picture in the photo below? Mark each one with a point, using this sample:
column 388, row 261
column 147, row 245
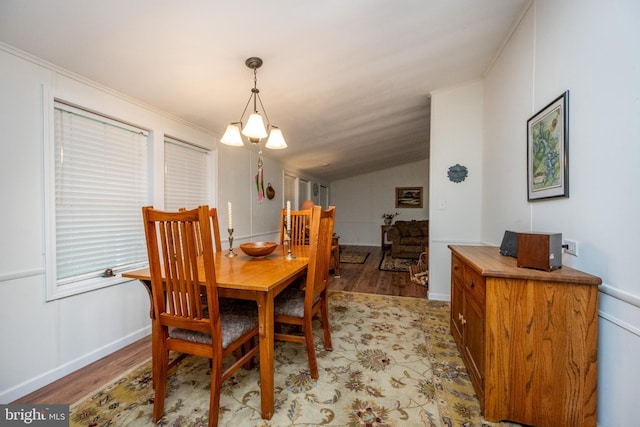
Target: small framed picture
column 408, row 197
column 548, row 151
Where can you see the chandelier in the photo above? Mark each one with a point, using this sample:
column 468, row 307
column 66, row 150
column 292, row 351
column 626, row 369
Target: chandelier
column 255, row 129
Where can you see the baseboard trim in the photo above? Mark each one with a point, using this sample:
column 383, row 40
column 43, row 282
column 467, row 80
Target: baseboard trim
column 438, row 297
column 33, row 384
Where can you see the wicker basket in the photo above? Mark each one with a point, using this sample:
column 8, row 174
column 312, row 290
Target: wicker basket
column 420, row 272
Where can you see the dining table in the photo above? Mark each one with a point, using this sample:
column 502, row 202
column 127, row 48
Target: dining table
column 259, row 279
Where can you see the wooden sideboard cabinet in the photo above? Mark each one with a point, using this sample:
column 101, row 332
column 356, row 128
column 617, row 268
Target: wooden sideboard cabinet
column 528, row 338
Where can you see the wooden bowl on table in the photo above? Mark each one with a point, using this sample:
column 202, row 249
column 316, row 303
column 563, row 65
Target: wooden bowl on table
column 258, row 249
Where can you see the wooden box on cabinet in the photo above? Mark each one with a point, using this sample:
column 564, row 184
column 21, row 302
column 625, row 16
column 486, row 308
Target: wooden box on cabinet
column 540, row 250
column 527, row 337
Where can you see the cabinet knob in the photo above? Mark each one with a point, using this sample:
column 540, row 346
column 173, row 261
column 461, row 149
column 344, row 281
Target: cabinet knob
column 473, row 284
column 460, row 316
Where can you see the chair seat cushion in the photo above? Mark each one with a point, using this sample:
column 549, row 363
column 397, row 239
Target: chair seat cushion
column 236, row 319
column 291, row 303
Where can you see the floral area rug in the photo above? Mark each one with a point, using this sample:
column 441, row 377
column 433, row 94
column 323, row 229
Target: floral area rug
column 353, row 257
column 395, row 264
column 394, row 363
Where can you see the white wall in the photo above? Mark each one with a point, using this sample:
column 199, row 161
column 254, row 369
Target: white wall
column 590, row 48
column 252, row 220
column 47, row 340
column 360, row 201
column 455, row 209
column 51, row 339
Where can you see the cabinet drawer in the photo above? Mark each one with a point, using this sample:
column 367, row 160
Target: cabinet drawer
column 456, row 267
column 475, row 284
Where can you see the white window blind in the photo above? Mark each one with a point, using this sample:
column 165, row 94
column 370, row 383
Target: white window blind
column 100, row 187
column 186, row 176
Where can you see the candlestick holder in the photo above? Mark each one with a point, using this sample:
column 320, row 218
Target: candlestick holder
column 287, row 239
column 230, row 253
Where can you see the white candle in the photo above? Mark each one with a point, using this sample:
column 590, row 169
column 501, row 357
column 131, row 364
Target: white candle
column 230, row 216
column 288, row 215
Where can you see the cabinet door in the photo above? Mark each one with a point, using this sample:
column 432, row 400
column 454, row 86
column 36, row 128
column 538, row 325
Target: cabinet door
column 457, row 316
column 474, row 340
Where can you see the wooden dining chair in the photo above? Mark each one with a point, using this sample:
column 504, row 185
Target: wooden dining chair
column 215, row 228
column 297, row 306
column 217, row 245
column 300, row 221
column 180, row 273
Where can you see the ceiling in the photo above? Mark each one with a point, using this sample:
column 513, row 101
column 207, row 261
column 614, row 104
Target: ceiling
column 348, row 82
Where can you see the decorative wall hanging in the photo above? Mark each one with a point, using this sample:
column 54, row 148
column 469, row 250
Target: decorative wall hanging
column 260, row 181
column 548, row 151
column 408, row 197
column 271, row 193
column 457, row 173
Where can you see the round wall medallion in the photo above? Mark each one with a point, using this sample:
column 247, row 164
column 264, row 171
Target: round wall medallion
column 270, row 192
column 315, row 189
column 457, row 173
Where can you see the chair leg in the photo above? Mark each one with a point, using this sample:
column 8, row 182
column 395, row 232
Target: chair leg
column 311, row 349
column 324, row 313
column 246, row 347
column 214, row 398
column 161, row 369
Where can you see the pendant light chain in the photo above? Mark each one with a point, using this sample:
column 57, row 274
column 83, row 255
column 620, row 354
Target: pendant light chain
column 255, row 90
column 256, row 95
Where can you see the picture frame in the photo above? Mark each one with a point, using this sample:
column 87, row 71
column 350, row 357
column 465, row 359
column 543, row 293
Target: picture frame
column 548, row 151
column 409, row 197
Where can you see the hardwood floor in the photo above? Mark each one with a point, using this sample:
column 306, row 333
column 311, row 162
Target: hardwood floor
column 75, row 386
column 368, row 279
column 353, row 277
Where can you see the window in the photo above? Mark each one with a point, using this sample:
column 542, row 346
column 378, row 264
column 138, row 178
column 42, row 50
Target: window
column 290, row 187
column 186, row 175
column 100, row 171
column 304, row 191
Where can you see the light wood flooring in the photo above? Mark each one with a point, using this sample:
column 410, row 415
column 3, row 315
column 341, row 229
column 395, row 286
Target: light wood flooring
column 353, row 277
column 368, row 279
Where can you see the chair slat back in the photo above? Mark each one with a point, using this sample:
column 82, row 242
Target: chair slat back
column 320, row 239
column 215, row 227
column 174, row 259
column 300, row 222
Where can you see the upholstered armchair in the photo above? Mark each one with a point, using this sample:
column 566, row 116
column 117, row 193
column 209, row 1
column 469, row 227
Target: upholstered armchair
column 408, row 238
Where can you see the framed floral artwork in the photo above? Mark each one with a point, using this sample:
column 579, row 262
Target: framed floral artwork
column 548, row 151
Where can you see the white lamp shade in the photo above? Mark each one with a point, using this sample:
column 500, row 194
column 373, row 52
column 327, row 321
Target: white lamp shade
column 254, row 128
column 276, row 139
column 232, row 136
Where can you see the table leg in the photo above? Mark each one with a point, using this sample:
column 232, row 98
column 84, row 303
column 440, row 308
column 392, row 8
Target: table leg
column 265, row 320
column 155, row 331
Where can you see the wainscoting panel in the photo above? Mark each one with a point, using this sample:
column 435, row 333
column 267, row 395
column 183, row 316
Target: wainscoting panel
column 618, row 349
